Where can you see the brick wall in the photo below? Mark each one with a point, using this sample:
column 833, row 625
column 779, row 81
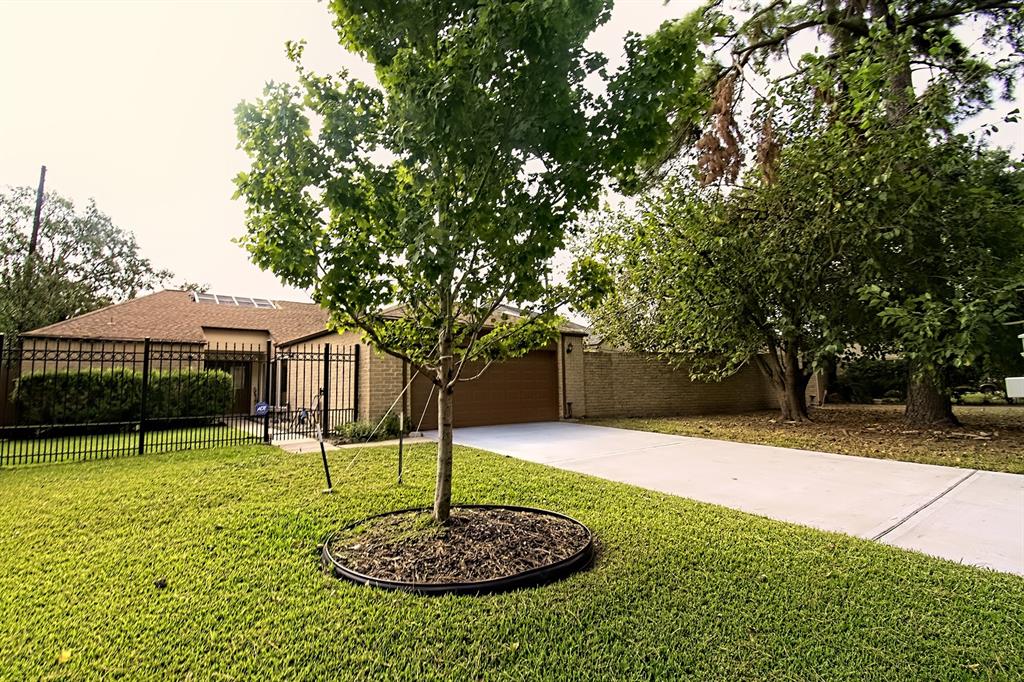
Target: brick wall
column 636, row 385
column 815, row 389
column 380, row 382
column 573, row 388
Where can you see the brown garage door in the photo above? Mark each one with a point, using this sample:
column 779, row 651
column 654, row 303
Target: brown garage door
column 521, row 390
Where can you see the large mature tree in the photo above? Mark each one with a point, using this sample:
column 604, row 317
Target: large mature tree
column 445, row 190
column 82, row 262
column 765, row 274
column 946, row 270
column 939, row 224
column 929, row 64
column 964, row 47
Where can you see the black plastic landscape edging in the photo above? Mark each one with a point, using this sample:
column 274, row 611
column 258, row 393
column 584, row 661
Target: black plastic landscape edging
column 534, row 577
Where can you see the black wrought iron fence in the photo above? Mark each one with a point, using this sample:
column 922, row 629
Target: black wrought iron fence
column 74, row 399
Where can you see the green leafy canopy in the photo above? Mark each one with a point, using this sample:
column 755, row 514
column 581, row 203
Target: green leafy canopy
column 447, row 188
column 417, row 208
column 83, row 261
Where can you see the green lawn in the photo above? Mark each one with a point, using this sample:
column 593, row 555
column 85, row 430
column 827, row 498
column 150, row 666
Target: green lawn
column 102, row 446
column 680, row 589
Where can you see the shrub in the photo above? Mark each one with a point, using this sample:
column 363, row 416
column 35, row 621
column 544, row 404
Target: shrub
column 361, row 431
column 75, row 397
column 982, row 398
column 97, row 396
column 864, row 379
column 189, row 394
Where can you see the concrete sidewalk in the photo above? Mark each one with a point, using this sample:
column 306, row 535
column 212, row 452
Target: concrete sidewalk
column 973, row 517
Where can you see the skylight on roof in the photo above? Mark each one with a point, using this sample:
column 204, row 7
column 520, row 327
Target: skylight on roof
column 239, row 301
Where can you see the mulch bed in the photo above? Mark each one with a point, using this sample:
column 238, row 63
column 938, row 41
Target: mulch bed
column 476, row 545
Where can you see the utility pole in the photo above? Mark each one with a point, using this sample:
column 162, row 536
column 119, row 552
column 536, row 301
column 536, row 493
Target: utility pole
column 34, row 240
column 36, row 220
column 39, row 213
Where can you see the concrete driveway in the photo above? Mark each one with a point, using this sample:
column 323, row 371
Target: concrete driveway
column 973, row 517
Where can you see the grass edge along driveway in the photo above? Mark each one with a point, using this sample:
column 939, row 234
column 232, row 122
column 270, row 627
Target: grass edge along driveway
column 680, row 589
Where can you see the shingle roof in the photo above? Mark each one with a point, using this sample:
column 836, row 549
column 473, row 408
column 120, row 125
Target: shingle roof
column 174, row 316
column 396, row 311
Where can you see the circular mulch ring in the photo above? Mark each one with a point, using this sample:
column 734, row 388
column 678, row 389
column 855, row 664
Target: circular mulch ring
column 483, row 549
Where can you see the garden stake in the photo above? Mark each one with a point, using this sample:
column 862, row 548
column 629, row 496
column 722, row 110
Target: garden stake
column 327, row 469
column 401, row 433
column 321, row 428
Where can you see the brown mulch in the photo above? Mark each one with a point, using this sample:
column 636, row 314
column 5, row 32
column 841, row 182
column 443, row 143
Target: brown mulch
column 476, row 545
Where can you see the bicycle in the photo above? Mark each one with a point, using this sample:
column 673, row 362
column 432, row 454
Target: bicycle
column 309, row 417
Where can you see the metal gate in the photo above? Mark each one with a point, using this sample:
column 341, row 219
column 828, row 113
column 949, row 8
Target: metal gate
column 314, row 390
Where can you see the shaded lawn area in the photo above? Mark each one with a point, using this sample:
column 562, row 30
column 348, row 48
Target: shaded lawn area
column 680, row 588
column 123, row 444
column 992, row 438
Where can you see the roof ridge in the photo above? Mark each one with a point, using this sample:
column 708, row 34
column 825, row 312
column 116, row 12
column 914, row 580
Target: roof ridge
column 284, row 300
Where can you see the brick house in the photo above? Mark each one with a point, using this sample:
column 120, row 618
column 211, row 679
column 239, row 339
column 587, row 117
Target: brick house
column 239, row 335
column 234, row 332
column 527, row 389
column 569, row 379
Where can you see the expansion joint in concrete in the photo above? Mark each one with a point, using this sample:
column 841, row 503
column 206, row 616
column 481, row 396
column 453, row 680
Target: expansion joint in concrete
column 924, row 506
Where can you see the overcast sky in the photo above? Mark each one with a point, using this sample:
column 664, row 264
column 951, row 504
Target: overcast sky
column 131, row 103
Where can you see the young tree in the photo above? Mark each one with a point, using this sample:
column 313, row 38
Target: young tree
column 445, row 190
column 82, row 262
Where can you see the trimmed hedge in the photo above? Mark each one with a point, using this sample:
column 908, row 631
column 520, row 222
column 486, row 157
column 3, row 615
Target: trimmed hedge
column 94, row 396
column 189, row 394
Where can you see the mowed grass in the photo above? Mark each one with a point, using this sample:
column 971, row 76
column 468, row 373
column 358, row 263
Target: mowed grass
column 680, row 589
column 122, row 444
column 991, row 438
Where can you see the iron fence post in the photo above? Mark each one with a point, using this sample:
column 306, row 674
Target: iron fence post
column 355, row 383
column 142, row 398
column 325, row 420
column 266, row 397
column 4, row 397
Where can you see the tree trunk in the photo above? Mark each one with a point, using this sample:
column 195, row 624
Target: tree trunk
column 928, row 402
column 795, row 387
column 829, row 378
column 792, row 402
column 443, row 486
column 797, row 404
column 789, row 383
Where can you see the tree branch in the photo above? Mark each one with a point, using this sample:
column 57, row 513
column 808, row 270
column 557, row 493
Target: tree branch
column 957, row 9
column 857, row 27
column 478, row 374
